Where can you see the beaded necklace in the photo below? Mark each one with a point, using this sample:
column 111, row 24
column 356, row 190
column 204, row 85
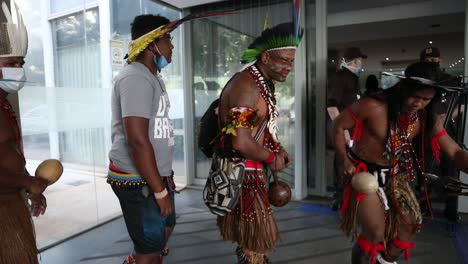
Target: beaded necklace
column 399, row 147
column 399, row 141
column 271, row 141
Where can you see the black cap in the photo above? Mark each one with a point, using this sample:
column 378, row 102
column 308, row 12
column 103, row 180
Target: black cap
column 429, row 52
column 353, row 53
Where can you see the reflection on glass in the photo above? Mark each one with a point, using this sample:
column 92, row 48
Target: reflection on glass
column 58, row 6
column 61, row 121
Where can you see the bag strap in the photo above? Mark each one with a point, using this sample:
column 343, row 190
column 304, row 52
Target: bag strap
column 260, row 131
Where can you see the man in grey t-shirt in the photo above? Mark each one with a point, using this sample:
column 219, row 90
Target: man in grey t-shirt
column 140, row 169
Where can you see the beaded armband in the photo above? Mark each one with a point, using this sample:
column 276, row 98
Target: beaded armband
column 241, row 117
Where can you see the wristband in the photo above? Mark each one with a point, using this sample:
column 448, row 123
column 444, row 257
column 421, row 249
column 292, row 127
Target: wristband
column 160, row 195
column 270, row 158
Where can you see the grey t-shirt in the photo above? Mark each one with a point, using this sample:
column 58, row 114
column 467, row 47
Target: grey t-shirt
column 139, row 93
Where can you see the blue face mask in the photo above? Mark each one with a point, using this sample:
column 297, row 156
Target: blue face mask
column 358, row 69
column 160, row 61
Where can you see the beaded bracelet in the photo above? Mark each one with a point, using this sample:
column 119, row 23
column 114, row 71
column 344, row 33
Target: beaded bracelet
column 161, row 194
column 270, row 158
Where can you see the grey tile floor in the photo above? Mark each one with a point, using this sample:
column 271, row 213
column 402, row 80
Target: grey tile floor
column 308, row 236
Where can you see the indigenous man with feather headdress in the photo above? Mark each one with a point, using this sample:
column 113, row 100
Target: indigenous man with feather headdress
column 248, row 117
column 140, row 170
column 17, row 240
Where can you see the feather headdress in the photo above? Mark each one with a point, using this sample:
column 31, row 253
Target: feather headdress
column 428, row 74
column 136, row 46
column 13, row 33
column 282, row 36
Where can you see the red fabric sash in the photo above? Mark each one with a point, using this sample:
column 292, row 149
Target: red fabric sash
column 357, row 130
column 404, row 245
column 435, row 146
column 369, row 248
column 250, row 164
column 360, row 167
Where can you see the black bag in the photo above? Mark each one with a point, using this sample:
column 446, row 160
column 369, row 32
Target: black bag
column 208, row 129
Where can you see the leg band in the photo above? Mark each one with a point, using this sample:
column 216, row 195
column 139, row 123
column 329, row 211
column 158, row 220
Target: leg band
column 369, row 248
column 405, row 246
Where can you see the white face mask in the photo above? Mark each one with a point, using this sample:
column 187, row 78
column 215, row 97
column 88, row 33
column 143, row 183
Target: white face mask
column 355, row 69
column 13, row 79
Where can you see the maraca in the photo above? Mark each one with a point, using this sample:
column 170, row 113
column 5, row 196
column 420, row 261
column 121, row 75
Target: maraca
column 49, row 170
column 364, row 182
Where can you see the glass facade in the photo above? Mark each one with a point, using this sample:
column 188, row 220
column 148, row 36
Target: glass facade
column 217, row 45
column 65, row 106
column 65, row 109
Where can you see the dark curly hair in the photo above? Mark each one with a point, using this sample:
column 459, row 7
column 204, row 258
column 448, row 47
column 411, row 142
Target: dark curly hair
column 145, row 23
column 396, row 96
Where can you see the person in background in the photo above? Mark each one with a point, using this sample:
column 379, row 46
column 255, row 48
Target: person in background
column 372, row 84
column 430, row 54
column 446, row 168
column 342, row 91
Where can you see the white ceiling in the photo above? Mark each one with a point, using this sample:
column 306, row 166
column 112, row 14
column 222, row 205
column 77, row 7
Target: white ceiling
column 189, row 3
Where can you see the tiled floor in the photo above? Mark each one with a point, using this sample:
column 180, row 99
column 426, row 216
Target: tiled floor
column 309, row 235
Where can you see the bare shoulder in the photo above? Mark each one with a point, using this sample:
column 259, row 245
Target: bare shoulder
column 369, row 107
column 242, row 82
column 369, row 104
column 242, row 91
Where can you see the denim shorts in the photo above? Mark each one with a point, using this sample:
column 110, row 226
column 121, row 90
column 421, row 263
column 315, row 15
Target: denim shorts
column 144, row 222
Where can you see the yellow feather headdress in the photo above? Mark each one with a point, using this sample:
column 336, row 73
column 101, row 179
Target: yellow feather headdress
column 138, row 45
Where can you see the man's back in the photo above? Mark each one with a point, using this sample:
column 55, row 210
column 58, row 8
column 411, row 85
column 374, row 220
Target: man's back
column 343, row 89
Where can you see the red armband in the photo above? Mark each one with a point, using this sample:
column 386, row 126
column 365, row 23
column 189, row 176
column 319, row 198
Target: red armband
column 270, row 158
column 435, row 146
column 357, row 130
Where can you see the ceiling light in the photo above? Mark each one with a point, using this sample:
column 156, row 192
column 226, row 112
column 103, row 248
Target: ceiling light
column 387, row 59
column 430, row 41
column 459, row 60
column 391, row 70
